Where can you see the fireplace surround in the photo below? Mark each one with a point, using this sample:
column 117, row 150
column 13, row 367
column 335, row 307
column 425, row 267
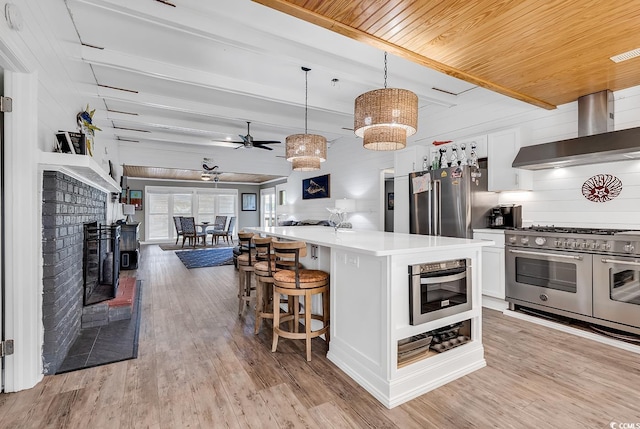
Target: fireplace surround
column 68, row 204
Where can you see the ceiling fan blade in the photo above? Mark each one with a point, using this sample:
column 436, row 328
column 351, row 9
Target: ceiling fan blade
column 245, row 139
column 263, row 147
column 265, row 142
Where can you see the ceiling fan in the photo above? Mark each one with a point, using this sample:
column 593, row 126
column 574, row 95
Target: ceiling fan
column 248, row 142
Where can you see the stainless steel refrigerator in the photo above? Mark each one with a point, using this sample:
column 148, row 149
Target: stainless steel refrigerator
column 450, row 201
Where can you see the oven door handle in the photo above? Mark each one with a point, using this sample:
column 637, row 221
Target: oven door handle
column 553, row 255
column 617, row 261
column 442, row 279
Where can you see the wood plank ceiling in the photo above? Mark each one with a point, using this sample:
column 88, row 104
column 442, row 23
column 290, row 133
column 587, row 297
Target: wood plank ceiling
column 545, row 53
column 142, row 172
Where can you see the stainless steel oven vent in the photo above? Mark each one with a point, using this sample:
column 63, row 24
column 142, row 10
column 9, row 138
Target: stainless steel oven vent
column 597, row 142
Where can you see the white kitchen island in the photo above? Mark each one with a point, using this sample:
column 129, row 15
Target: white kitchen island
column 370, row 306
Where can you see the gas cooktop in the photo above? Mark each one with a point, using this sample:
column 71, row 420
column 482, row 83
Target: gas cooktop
column 586, row 240
column 573, row 230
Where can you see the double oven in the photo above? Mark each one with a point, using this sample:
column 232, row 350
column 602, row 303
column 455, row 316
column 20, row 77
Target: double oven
column 587, row 274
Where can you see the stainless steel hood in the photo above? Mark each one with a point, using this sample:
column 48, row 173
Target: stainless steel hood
column 596, row 144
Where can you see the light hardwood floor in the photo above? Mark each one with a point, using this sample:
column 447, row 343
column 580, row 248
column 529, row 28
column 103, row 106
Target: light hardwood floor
column 200, row 366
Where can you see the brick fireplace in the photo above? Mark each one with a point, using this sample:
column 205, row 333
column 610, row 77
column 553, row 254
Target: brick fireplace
column 68, row 204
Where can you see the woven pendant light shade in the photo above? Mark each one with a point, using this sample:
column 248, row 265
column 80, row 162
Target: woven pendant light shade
column 385, row 138
column 306, row 151
column 389, row 108
column 306, row 145
column 305, row 164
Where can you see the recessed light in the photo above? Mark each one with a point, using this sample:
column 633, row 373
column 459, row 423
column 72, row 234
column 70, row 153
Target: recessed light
column 626, row 55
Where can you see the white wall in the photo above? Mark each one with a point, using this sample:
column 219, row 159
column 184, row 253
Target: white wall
column 355, row 174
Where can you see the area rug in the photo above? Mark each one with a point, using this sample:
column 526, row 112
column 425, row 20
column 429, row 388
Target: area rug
column 172, row 246
column 206, row 257
column 114, row 342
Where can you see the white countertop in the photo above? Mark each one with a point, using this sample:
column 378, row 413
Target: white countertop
column 375, row 243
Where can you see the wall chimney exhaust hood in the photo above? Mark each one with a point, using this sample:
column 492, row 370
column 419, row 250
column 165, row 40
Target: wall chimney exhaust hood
column 597, row 142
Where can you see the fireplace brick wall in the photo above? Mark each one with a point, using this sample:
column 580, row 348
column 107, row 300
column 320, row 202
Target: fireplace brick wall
column 67, row 204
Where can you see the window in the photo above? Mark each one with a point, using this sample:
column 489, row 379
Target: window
column 268, row 207
column 204, row 204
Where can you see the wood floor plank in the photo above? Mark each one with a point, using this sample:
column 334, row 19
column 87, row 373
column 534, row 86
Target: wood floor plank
column 199, row 365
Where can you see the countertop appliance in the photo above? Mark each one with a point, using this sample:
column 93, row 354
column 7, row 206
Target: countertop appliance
column 587, row 274
column 449, row 201
column 506, row 217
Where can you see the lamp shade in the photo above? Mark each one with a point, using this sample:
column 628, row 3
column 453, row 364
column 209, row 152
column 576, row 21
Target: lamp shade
column 388, row 108
column 128, row 209
column 306, row 163
column 347, row 205
column 385, row 138
column 306, row 145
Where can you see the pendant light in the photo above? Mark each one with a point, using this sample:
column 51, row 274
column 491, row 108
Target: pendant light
column 306, row 151
column 385, row 117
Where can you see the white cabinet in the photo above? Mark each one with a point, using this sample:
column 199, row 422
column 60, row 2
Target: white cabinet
column 410, row 159
column 493, row 271
column 502, row 148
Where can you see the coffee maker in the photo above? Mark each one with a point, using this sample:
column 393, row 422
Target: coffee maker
column 506, row 216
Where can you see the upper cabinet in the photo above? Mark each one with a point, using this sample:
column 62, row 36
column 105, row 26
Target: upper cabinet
column 410, row 159
column 502, row 148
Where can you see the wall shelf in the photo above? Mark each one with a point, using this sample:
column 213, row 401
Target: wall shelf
column 81, row 167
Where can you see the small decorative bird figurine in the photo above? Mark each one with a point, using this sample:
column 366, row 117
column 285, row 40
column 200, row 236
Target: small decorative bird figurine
column 85, row 120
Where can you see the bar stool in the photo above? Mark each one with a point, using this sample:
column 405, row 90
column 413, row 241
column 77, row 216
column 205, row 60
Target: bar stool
column 263, row 270
column 267, row 264
column 296, row 283
column 246, row 259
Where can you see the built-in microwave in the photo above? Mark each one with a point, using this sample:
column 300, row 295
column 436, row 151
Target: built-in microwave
column 439, row 289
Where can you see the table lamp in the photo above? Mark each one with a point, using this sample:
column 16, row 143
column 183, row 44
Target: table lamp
column 129, row 210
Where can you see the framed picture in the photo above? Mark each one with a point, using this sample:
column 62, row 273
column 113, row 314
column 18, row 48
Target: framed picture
column 249, row 202
column 135, row 198
column 316, row 187
column 71, row 142
column 390, row 201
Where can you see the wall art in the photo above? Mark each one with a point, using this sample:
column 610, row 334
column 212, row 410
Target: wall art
column 601, row 188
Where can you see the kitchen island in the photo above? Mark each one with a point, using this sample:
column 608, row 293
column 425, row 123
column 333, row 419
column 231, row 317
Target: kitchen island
column 369, row 307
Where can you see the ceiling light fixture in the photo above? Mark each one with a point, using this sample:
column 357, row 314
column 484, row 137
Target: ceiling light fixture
column 306, row 151
column 385, row 117
column 205, row 176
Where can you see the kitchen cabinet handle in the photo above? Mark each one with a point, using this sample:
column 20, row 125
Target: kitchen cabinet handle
column 617, row 261
column 524, row 252
column 443, row 279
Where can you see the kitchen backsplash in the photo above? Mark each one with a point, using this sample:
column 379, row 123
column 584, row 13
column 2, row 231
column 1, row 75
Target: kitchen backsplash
column 557, row 197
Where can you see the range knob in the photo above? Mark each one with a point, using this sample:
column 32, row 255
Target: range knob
column 595, row 245
column 584, row 245
column 513, row 239
column 540, row 241
column 574, row 244
column 557, row 243
column 606, row 246
column 629, row 247
column 524, row 240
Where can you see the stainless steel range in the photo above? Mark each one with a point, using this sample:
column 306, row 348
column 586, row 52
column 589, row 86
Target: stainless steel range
column 587, row 274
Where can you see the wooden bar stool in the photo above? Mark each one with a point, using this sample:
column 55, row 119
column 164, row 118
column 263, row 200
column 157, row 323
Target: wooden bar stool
column 296, row 283
column 263, row 270
column 267, row 264
column 246, row 260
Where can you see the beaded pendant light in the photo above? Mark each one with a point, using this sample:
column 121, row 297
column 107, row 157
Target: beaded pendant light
column 306, row 151
column 385, row 117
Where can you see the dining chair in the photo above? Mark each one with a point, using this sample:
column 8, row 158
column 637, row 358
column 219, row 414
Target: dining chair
column 176, row 221
column 226, row 234
column 189, row 231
